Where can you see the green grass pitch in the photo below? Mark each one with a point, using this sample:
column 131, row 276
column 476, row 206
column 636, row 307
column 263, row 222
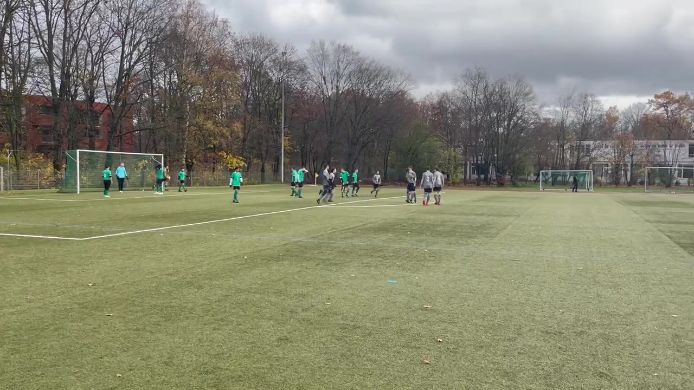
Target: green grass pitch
column 492, row 290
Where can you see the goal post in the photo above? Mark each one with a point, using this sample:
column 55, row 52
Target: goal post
column 562, row 179
column 668, row 179
column 83, row 169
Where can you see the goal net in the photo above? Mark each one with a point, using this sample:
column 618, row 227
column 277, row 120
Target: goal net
column 563, row 179
column 668, row 179
column 83, row 170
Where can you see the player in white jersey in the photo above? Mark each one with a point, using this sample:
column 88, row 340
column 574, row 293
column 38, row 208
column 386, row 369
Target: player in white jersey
column 377, row 183
column 411, row 178
column 428, row 186
column 438, row 186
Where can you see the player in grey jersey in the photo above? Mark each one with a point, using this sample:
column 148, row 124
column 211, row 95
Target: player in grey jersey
column 438, row 186
column 428, row 186
column 324, row 194
column 411, row 178
column 377, row 183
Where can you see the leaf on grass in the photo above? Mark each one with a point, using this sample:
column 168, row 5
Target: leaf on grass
column 109, row 314
column 439, row 340
column 427, row 306
column 426, row 360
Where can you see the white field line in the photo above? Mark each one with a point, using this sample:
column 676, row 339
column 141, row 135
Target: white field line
column 43, row 237
column 186, row 224
column 374, row 206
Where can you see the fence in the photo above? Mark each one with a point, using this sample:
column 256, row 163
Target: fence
column 37, row 179
column 28, row 179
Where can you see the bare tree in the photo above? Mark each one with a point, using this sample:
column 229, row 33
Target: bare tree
column 331, row 69
column 588, row 115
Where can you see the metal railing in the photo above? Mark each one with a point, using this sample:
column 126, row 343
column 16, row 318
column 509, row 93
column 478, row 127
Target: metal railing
column 28, row 179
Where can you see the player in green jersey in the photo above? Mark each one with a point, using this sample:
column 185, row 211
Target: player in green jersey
column 160, row 175
column 235, row 181
column 344, row 177
column 355, row 183
column 108, row 178
column 294, row 179
column 182, row 180
column 300, row 181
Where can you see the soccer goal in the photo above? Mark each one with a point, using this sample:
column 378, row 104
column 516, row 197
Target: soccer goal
column 668, row 179
column 563, row 179
column 83, row 170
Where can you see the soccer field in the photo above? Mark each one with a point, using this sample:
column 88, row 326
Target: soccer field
column 492, row 290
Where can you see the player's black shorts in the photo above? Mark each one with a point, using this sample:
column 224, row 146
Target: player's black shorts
column 437, row 189
column 327, row 189
column 411, row 187
column 237, row 187
column 182, row 182
column 428, row 190
column 159, row 181
column 293, row 184
column 376, row 186
column 300, row 184
column 345, row 185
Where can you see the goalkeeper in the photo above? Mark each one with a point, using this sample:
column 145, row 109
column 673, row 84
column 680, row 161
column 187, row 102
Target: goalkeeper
column 121, row 176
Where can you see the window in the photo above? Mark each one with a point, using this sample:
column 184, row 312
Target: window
column 691, row 150
column 46, row 134
column 45, row 110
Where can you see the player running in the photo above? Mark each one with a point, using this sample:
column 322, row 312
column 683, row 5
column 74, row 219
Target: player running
column 331, row 183
column 428, row 186
column 438, row 186
column 121, row 176
column 377, row 183
column 108, row 178
column 300, row 180
column 344, row 177
column 411, row 178
column 355, row 183
column 182, row 180
column 235, row 180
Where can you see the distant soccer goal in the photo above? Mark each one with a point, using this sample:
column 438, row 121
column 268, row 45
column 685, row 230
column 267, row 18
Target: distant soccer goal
column 668, row 179
column 563, row 179
column 83, row 170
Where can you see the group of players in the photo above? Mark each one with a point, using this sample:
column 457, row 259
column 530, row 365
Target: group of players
column 160, row 175
column 431, row 182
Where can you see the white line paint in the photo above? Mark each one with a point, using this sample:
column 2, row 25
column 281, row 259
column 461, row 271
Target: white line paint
column 37, row 236
column 374, row 206
column 186, row 224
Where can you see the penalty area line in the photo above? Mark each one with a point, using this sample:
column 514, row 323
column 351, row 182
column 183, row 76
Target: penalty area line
column 43, row 237
column 184, row 224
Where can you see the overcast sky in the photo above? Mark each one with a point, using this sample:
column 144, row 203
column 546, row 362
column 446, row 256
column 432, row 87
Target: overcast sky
column 621, row 50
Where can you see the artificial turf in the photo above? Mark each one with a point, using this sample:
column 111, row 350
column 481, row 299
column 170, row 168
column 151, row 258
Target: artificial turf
column 523, row 290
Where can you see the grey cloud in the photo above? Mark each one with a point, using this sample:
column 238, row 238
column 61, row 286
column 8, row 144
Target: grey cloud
column 619, row 47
